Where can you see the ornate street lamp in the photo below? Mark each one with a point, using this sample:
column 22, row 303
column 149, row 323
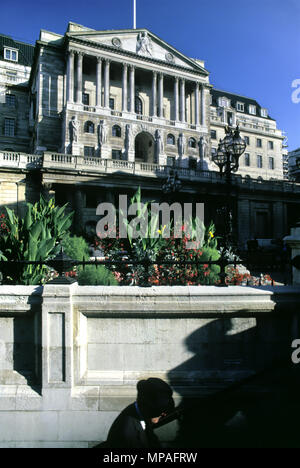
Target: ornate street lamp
column 227, row 159
column 229, row 151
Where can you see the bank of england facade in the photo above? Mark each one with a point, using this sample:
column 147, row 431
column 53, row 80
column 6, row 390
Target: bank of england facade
column 94, row 114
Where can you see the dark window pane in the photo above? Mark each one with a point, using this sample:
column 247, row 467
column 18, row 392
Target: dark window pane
column 89, row 151
column 86, row 99
column 138, row 106
column 9, row 127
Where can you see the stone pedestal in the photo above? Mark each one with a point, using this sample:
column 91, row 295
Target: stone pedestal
column 293, row 241
column 105, row 152
column 76, row 149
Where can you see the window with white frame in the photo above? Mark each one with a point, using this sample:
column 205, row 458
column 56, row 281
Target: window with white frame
column 224, row 102
column 264, row 112
column 259, row 161
column 10, row 54
column 252, row 109
column 271, row 163
column 240, row 106
column 11, row 75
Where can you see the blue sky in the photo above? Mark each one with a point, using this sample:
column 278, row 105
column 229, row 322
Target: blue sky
column 250, row 47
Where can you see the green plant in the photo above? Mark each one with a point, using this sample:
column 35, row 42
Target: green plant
column 96, row 275
column 143, row 247
column 76, row 248
column 35, row 237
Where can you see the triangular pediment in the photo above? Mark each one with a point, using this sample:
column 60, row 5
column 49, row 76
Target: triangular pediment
column 141, row 42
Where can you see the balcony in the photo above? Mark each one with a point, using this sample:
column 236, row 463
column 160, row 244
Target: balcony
column 20, row 160
column 59, row 162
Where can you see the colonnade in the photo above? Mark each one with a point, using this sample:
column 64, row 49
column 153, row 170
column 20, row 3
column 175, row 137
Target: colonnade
column 128, row 77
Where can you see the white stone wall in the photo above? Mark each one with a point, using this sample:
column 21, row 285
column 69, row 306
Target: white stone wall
column 71, row 355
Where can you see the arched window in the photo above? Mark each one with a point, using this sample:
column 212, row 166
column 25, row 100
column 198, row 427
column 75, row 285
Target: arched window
column 170, row 139
column 89, row 127
column 138, row 106
column 116, row 131
column 192, row 143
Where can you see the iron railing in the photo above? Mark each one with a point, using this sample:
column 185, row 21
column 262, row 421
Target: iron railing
column 277, row 265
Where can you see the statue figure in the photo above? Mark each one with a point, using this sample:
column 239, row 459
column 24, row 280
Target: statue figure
column 74, row 127
column 159, row 142
column 144, row 43
column 181, row 144
column 102, row 133
column 202, row 147
column 128, row 137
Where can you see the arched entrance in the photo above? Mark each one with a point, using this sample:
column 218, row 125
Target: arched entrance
column 144, row 147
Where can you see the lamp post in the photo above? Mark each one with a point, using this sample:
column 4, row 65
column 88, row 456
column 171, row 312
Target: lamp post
column 227, row 159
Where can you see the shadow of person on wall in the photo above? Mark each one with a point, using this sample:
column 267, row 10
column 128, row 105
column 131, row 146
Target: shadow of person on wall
column 240, row 388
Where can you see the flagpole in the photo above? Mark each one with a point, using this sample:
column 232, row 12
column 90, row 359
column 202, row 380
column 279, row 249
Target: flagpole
column 134, row 14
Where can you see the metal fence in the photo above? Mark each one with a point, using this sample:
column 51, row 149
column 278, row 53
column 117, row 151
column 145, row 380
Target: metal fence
column 258, row 267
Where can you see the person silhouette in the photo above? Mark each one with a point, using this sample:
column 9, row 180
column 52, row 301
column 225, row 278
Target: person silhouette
column 133, row 428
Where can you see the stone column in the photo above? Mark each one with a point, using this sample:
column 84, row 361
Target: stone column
column 161, row 95
column 79, row 77
column 106, row 84
column 203, row 105
column 124, row 88
column 176, row 99
column 196, row 103
column 154, row 94
column 99, row 82
column 70, row 77
column 182, row 103
column 132, row 87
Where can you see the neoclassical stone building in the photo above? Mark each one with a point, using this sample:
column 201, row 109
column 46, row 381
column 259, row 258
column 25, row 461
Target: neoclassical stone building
column 107, row 111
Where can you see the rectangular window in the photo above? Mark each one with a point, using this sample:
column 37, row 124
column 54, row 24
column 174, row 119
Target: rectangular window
column 259, row 161
column 258, row 143
column 170, row 161
column 10, row 54
column 224, row 102
column 270, row 145
column 10, row 100
column 9, row 127
column 247, row 140
column 11, row 75
column 111, row 103
column 116, row 154
column 247, row 159
column 264, row 112
column 252, row 109
column 240, row 106
column 213, row 134
column 271, row 163
column 86, row 99
column 89, row 151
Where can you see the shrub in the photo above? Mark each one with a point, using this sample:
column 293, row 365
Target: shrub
column 93, row 275
column 76, row 248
